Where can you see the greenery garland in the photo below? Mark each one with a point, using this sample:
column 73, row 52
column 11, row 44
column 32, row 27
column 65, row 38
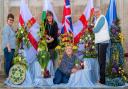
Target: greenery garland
column 17, row 74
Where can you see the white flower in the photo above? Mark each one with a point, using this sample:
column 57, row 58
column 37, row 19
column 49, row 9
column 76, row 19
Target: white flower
column 19, row 58
column 39, row 49
column 86, row 38
column 89, row 36
column 22, row 31
column 93, row 47
column 23, row 38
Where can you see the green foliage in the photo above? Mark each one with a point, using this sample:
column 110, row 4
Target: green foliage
column 43, row 58
column 43, row 54
column 20, row 60
column 22, row 35
column 41, row 32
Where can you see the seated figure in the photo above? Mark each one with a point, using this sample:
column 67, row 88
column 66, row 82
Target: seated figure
column 66, row 67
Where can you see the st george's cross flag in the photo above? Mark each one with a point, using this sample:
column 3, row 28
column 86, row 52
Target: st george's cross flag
column 25, row 19
column 81, row 25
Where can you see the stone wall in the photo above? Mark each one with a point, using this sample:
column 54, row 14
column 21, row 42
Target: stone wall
column 1, row 19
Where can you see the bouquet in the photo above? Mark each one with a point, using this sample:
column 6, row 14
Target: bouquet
column 90, row 47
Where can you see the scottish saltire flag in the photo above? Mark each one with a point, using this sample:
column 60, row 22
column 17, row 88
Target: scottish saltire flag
column 81, row 25
column 67, row 21
column 111, row 14
column 26, row 19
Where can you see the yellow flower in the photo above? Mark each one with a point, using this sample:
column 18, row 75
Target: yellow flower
column 119, row 72
column 19, row 58
column 122, row 74
column 122, row 70
column 58, row 47
column 22, row 31
column 120, row 35
column 75, row 47
column 124, row 77
column 93, row 47
column 119, row 68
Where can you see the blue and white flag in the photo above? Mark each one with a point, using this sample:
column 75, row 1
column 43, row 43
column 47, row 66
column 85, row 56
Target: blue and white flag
column 111, row 14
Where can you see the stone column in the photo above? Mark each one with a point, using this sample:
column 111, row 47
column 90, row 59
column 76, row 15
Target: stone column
column 96, row 3
column 1, row 21
column 104, row 6
column 6, row 9
column 125, row 23
column 123, row 14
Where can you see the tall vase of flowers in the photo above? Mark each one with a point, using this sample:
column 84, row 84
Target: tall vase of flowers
column 116, row 75
column 43, row 54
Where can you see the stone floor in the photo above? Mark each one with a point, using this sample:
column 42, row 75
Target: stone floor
column 2, row 86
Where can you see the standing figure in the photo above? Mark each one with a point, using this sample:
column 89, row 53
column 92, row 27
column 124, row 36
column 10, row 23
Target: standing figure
column 8, row 42
column 102, row 38
column 51, row 32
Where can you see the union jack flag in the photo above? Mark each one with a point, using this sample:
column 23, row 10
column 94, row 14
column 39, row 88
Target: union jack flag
column 67, row 21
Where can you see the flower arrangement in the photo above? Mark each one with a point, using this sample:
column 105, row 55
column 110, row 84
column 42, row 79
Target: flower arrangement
column 115, row 69
column 65, row 39
column 90, row 47
column 17, row 72
column 22, row 36
column 43, row 54
column 115, row 73
column 115, row 32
